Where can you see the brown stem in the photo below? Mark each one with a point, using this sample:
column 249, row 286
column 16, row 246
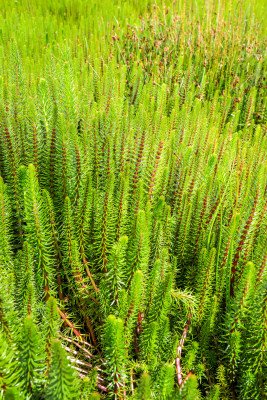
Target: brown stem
column 85, row 262
column 69, row 323
column 179, row 353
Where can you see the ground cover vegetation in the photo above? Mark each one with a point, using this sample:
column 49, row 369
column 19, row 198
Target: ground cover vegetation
column 133, row 182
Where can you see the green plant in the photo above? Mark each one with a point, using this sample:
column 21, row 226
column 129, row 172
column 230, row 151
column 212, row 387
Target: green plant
column 133, row 182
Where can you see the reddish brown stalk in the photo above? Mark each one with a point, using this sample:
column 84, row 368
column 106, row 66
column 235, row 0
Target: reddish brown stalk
column 82, row 308
column 85, row 262
column 179, row 352
column 88, row 353
column 118, row 388
column 88, row 323
column 187, row 377
column 103, row 388
column 80, row 284
column 79, row 279
column 70, row 324
column 140, row 319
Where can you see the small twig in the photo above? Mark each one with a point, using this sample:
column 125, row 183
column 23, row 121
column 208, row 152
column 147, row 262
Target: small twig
column 80, row 361
column 78, row 345
column 75, row 353
column 103, row 388
column 90, row 276
column 77, row 368
column 179, row 353
column 70, row 324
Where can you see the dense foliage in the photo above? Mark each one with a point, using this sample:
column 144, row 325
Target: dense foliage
column 133, row 198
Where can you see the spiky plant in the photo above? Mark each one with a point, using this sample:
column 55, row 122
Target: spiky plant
column 133, row 183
